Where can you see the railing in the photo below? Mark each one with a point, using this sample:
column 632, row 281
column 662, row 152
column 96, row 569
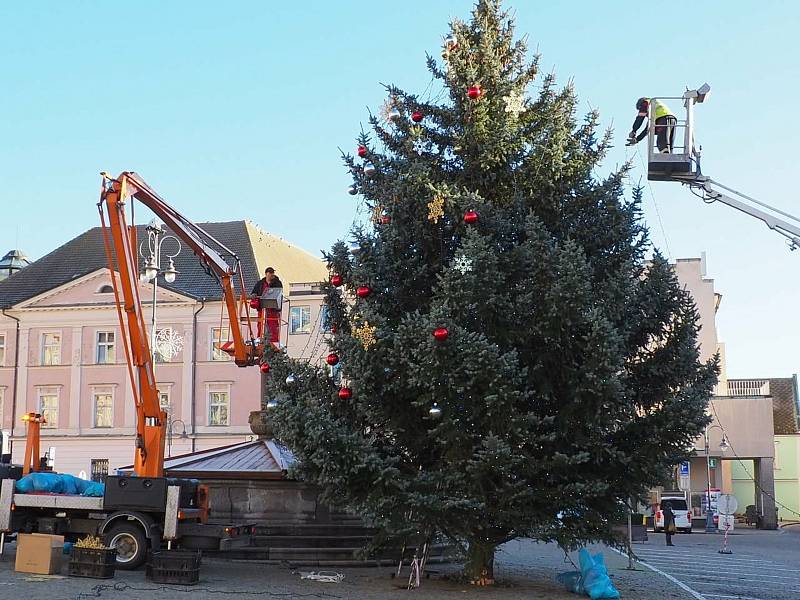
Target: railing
column 748, row 387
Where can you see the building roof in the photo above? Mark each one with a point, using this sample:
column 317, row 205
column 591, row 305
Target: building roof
column 259, row 459
column 14, row 260
column 86, row 253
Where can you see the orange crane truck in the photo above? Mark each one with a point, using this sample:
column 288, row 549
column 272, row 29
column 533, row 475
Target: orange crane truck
column 143, row 510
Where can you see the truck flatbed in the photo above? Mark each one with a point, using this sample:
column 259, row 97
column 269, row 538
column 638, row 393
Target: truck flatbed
column 58, row 501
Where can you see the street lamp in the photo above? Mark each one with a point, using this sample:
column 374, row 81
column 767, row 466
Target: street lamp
column 152, row 269
column 723, row 446
column 183, row 436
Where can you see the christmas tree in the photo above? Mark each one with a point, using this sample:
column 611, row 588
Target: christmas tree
column 508, row 361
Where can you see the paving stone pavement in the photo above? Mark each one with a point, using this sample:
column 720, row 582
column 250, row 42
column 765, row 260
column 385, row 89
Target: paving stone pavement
column 525, row 570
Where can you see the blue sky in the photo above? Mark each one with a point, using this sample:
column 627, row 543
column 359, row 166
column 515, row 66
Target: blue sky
column 238, row 110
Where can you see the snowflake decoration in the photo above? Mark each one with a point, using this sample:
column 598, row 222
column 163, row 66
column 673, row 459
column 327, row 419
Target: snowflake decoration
column 515, row 103
column 436, row 209
column 462, row 264
column 168, row 343
column 388, row 111
column 365, row 334
column 419, row 147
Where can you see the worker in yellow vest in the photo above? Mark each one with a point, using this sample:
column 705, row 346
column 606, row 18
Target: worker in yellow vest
column 665, row 123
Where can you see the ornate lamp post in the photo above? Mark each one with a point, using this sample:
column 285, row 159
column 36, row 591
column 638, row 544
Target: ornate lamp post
column 152, row 268
column 711, row 527
column 183, row 436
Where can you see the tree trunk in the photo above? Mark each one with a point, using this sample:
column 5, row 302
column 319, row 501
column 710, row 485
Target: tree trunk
column 479, row 569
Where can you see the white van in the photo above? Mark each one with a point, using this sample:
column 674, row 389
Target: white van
column 683, row 515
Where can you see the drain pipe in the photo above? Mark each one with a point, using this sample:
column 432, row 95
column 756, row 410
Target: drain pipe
column 14, row 392
column 194, row 372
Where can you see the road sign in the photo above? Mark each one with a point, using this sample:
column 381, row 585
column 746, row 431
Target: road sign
column 684, row 468
column 727, row 504
column 683, row 483
column 712, row 462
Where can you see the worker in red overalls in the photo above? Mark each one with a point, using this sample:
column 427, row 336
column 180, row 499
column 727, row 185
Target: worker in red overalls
column 273, row 316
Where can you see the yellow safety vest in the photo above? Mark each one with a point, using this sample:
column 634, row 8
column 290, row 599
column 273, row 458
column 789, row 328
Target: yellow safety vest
column 660, row 110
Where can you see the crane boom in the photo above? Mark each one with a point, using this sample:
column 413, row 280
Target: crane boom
column 120, row 242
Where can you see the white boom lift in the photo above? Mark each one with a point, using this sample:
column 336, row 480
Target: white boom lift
column 683, row 165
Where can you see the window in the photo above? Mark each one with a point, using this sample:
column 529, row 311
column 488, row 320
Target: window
column 218, row 404
column 300, row 319
column 219, row 336
column 48, row 406
column 99, row 469
column 105, row 348
column 105, row 289
column 51, row 349
column 2, row 349
column 163, row 401
column 325, row 319
column 103, row 400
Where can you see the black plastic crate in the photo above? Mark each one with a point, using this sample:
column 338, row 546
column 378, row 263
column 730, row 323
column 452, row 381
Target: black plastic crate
column 98, row 563
column 174, row 566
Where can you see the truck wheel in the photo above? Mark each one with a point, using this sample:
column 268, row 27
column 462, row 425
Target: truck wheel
column 131, row 544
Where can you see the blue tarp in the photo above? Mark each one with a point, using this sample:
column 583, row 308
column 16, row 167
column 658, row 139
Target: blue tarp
column 592, row 580
column 58, row 483
column 596, row 581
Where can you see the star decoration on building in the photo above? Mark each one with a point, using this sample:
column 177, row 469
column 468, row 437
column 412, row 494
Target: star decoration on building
column 436, row 209
column 462, row 264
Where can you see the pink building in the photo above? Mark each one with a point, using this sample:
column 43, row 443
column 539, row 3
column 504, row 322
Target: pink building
column 59, row 350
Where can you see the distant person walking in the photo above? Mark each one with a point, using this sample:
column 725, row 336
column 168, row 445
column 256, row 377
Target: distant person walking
column 669, row 522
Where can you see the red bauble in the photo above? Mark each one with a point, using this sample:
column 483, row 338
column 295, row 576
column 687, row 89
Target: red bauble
column 332, row 359
column 416, row 116
column 440, row 334
column 363, row 291
column 337, row 280
column 362, row 151
column 474, row 92
column 334, row 329
column 264, row 367
column 386, row 219
column 345, row 393
column 470, row 217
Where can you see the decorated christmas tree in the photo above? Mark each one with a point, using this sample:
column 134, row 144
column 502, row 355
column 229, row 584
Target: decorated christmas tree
column 510, row 355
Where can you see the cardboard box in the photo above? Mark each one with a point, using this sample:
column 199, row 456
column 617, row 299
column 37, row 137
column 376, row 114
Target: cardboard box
column 39, row 553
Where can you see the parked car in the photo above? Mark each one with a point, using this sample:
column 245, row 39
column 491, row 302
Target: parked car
column 683, row 515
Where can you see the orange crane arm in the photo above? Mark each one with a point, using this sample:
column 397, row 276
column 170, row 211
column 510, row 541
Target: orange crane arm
column 120, row 241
